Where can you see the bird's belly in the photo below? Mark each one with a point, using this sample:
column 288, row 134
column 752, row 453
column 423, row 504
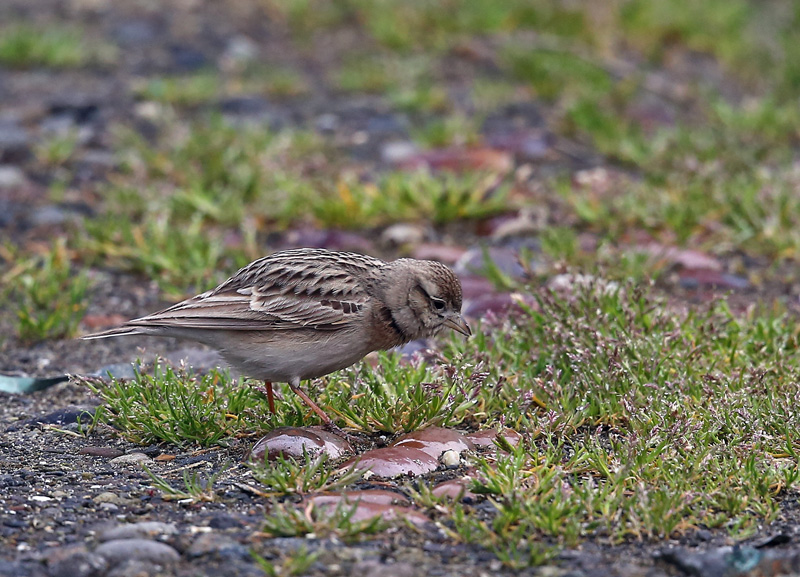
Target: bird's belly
column 283, row 359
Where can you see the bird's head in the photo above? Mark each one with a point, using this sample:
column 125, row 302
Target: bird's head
column 424, row 297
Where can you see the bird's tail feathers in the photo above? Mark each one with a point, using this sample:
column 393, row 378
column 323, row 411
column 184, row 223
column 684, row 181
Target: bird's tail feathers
column 115, row 332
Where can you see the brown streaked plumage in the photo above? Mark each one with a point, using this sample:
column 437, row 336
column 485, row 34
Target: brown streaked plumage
column 303, row 313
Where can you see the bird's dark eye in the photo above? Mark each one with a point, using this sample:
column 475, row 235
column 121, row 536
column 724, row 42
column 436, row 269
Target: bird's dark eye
column 438, row 304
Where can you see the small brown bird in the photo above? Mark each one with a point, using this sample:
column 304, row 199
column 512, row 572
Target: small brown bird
column 303, row 313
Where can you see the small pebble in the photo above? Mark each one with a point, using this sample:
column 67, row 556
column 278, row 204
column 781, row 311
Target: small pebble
column 11, row 176
column 451, row 459
column 130, row 459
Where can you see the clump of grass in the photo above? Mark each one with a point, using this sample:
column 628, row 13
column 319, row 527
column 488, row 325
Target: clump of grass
column 398, row 397
column 365, row 75
column 552, row 72
column 298, row 562
column 182, row 257
column 193, row 206
column 178, row 407
column 287, row 520
column 217, row 172
column 698, row 188
column 24, row 46
column 452, row 130
column 288, row 476
column 645, row 422
column 190, row 90
column 59, row 149
column 406, row 26
column 196, row 489
column 276, row 81
column 50, row 297
column 306, row 16
column 403, row 196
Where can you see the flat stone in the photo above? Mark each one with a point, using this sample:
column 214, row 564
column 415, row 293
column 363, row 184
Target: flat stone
column 119, row 550
column 213, row 543
column 135, row 568
column 395, row 461
column 486, row 437
column 365, row 511
column 141, row 530
column 106, row 452
column 76, row 562
column 291, row 441
column 377, row 496
column 442, row 252
column 130, row 459
column 505, row 259
column 454, row 489
column 435, row 440
column 371, row 568
column 497, row 303
column 61, row 418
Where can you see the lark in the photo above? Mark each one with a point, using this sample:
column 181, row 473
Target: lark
column 303, row 313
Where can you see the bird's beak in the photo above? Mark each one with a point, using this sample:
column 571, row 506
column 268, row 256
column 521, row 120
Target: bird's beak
column 457, row 323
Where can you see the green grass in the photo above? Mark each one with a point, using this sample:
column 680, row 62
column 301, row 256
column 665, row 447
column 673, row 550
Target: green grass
column 49, row 297
column 418, row 24
column 196, row 489
column 289, row 521
column 698, row 185
column 418, row 196
column 287, row 476
column 26, row 46
column 177, row 407
column 206, row 87
column 641, row 421
column 280, row 82
column 182, row 257
column 396, row 398
column 555, row 74
column 195, row 205
column 189, row 90
column 58, row 150
column 212, row 190
column 297, row 563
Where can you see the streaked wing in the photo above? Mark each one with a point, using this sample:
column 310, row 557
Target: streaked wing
column 286, row 290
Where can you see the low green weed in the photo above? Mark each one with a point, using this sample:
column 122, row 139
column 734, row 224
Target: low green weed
column 49, row 297
column 26, row 46
column 178, row 407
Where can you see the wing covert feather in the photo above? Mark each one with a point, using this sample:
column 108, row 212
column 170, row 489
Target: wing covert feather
column 286, row 290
